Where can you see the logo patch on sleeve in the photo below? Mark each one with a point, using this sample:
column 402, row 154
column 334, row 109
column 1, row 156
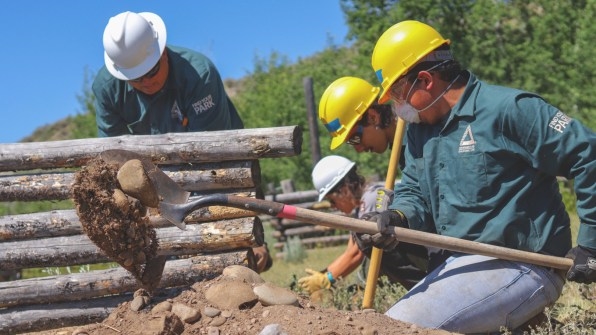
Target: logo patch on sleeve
column 559, row 122
column 203, row 105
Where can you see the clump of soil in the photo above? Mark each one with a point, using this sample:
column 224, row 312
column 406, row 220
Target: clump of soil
column 115, row 222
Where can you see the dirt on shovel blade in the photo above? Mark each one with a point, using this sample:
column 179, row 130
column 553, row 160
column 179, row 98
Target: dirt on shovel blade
column 116, row 223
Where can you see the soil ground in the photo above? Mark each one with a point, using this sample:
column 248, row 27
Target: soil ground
column 307, row 318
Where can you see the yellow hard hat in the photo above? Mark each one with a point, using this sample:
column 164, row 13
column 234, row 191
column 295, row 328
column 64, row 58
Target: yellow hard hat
column 401, row 47
column 343, row 104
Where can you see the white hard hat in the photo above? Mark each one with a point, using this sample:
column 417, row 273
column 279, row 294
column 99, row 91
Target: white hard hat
column 133, row 44
column 328, row 172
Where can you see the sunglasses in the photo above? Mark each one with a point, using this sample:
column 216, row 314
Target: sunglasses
column 149, row 74
column 356, row 138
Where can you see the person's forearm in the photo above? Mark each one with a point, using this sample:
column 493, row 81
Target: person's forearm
column 347, row 262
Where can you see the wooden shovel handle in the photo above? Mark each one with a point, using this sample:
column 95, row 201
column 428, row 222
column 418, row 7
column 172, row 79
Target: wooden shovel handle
column 435, row 240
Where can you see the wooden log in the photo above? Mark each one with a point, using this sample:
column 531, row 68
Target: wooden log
column 313, row 242
column 66, row 222
column 40, row 318
column 87, row 285
column 217, row 236
column 196, row 177
column 306, row 231
column 168, row 149
column 294, row 197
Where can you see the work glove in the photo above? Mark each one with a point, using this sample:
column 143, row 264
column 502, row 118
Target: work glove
column 385, row 239
column 384, row 199
column 314, row 281
column 584, row 265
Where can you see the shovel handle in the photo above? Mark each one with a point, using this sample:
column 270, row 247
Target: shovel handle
column 405, row 235
column 362, row 226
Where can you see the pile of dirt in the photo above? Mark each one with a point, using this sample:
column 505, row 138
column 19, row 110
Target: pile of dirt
column 197, row 310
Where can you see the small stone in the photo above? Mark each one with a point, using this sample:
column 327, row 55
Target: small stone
column 266, row 313
column 217, row 321
column 185, row 313
column 164, row 306
column 226, row 314
column 273, row 329
column 273, row 295
column 211, row 312
column 137, row 304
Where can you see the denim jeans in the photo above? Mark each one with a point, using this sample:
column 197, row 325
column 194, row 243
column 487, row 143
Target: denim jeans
column 479, row 294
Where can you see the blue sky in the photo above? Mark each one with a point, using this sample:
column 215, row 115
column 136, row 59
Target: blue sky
column 48, row 45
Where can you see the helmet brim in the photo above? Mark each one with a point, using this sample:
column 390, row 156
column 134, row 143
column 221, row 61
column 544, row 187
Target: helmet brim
column 156, row 51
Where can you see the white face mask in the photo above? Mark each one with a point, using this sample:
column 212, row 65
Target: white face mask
column 406, row 111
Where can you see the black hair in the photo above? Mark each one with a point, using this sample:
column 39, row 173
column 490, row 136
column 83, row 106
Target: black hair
column 354, row 181
column 447, row 70
column 385, row 113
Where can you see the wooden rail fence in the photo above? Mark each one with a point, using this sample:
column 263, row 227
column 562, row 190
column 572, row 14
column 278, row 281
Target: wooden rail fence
column 216, row 237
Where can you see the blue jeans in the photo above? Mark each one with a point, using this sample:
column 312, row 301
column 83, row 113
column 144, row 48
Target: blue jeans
column 479, row 294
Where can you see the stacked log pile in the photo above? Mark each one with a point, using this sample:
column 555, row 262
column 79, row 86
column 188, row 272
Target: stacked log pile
column 216, row 237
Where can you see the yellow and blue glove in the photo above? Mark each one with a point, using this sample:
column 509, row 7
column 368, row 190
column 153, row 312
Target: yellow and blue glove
column 315, row 281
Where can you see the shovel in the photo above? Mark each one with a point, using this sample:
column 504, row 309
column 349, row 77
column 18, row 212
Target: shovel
column 176, row 213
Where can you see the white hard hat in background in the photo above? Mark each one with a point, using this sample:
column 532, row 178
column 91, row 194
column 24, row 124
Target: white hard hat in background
column 329, row 171
column 133, row 44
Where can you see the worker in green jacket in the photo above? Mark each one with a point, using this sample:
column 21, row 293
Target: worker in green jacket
column 481, row 164
column 148, row 87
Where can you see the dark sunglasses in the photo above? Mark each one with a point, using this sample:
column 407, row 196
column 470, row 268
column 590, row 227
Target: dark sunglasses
column 356, row 138
column 149, row 74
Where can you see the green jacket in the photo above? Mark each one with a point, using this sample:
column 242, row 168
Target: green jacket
column 488, row 172
column 193, row 89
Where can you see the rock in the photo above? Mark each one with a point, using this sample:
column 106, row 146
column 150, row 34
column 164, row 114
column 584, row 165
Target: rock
column 164, row 306
column 211, row 312
column 273, row 329
column 121, row 201
column 134, row 181
column 231, row 295
column 185, row 313
column 270, row 295
column 217, row 321
column 243, row 273
column 137, row 304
